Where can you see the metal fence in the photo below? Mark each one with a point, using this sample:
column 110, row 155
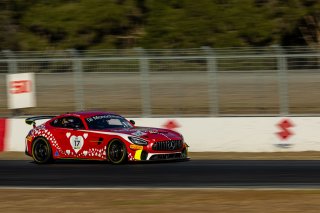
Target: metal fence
column 275, row 81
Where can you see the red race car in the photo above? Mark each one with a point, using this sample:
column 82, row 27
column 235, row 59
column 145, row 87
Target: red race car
column 100, row 136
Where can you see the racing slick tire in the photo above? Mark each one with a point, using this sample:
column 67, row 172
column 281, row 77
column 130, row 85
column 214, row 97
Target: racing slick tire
column 41, row 151
column 117, row 152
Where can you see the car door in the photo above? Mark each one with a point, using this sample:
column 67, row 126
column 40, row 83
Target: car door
column 98, row 140
column 96, row 144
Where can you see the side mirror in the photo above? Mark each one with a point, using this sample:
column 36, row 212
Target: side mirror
column 132, row 122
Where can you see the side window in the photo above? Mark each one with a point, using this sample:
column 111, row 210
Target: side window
column 56, row 122
column 68, row 122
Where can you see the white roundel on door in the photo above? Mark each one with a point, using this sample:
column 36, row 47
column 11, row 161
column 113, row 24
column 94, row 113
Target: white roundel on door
column 76, row 142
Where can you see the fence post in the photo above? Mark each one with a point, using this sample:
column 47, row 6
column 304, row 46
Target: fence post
column 12, row 63
column 282, row 82
column 212, row 81
column 77, row 79
column 12, row 69
column 144, row 82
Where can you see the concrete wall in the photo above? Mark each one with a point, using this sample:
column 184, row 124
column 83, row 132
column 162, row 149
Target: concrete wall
column 227, row 134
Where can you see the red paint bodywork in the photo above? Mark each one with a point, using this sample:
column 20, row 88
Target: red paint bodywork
column 3, row 128
column 95, row 142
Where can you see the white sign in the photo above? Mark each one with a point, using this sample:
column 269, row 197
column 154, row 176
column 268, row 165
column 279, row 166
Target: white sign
column 21, row 90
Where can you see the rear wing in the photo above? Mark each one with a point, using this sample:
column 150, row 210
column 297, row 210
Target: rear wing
column 32, row 120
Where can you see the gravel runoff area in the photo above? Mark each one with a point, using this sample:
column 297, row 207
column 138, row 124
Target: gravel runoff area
column 159, row 200
column 228, row 200
column 310, row 155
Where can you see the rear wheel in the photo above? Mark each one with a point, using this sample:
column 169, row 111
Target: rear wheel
column 41, row 151
column 117, row 152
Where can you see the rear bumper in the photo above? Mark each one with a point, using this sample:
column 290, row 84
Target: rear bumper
column 27, row 153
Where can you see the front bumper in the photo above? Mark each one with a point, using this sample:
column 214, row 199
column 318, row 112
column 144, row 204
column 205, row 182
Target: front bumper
column 171, row 156
column 151, row 155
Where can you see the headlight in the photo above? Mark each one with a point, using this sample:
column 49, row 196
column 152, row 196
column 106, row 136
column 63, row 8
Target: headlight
column 138, row 141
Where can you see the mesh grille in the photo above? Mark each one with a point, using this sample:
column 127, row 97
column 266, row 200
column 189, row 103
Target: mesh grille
column 167, row 145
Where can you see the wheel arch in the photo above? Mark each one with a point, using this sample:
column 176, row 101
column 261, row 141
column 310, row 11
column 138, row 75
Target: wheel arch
column 114, row 139
column 108, row 146
column 40, row 136
column 43, row 137
column 47, row 141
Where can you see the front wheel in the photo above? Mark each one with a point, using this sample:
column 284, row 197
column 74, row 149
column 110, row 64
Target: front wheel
column 117, row 152
column 41, row 151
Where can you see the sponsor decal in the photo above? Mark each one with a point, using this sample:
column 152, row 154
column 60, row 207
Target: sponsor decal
column 76, row 142
column 98, row 117
column 153, row 131
column 56, row 153
column 284, row 134
column 20, row 86
column 136, row 147
column 171, row 124
column 29, row 138
column 283, row 145
column 138, row 133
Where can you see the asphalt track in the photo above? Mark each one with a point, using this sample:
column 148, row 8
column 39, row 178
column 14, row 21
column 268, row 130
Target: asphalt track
column 193, row 173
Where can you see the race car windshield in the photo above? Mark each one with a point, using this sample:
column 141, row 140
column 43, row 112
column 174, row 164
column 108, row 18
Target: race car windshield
column 99, row 122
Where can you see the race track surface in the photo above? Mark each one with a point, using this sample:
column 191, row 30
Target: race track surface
column 194, row 173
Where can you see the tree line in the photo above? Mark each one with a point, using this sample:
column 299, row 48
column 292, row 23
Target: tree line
column 105, row 24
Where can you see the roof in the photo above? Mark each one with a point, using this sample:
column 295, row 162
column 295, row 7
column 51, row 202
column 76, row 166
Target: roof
column 88, row 113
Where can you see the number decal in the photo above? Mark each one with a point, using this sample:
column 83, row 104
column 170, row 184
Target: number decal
column 76, row 142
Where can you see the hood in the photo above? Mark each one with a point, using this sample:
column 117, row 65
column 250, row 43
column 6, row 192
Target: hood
column 151, row 134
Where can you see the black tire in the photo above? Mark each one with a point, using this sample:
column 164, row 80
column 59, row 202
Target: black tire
column 117, row 152
column 41, row 151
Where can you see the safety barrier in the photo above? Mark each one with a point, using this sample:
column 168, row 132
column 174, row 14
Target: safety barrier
column 224, row 134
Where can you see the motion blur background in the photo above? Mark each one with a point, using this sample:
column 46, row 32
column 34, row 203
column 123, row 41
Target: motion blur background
column 156, row 58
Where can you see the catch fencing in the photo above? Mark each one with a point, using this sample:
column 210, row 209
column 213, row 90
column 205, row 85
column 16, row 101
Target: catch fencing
column 273, row 81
